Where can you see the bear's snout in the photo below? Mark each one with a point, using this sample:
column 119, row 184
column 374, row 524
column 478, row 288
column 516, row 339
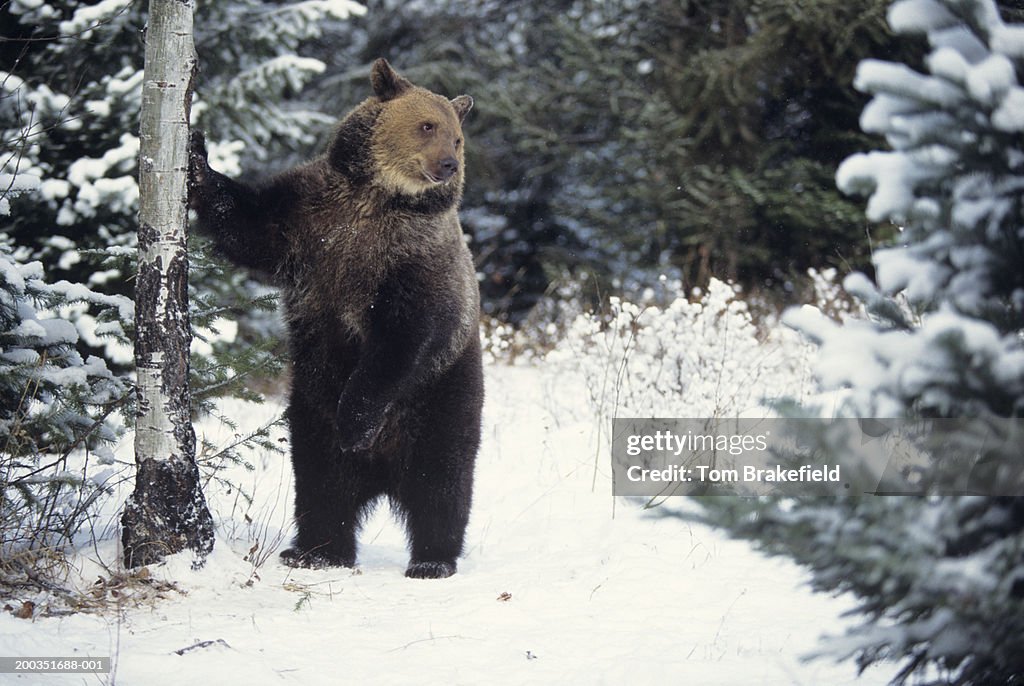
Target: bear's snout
column 446, row 168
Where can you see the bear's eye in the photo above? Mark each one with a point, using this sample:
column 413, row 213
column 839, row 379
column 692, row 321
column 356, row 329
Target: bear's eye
column 458, row 142
column 427, row 127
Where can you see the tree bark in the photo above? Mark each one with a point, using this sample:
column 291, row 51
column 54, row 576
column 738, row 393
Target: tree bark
column 167, row 512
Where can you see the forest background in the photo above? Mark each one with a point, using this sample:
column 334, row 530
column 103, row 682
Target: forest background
column 620, row 152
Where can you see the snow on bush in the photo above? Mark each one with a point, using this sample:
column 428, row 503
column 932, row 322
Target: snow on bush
column 700, row 357
column 52, row 401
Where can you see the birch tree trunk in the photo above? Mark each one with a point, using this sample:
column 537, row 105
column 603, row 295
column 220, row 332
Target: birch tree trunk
column 167, row 512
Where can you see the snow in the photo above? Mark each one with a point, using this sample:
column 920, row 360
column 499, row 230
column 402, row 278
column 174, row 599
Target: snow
column 21, row 356
column 339, row 9
column 26, row 5
column 878, row 113
column 18, row 182
column 989, row 80
column 220, row 329
column 889, row 177
column 961, row 39
column 948, row 353
column 57, row 331
column 11, row 274
column 561, row 582
column 1009, row 116
column 106, row 335
column 10, row 82
column 13, row 184
column 956, row 209
column 128, row 80
column 225, row 157
column 1011, row 368
column 100, row 108
column 949, row 64
column 896, row 270
column 76, row 292
column 44, row 99
column 918, row 16
column 874, row 76
column 86, row 19
column 54, row 189
column 1009, row 40
column 122, row 158
column 95, row 191
column 29, row 329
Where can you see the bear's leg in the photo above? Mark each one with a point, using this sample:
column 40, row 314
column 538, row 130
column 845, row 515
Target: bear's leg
column 244, row 221
column 331, row 494
column 435, row 501
column 435, row 489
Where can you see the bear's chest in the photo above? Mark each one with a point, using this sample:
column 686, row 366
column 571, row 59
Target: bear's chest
column 336, row 274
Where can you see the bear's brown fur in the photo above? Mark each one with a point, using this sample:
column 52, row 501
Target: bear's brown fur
column 382, row 307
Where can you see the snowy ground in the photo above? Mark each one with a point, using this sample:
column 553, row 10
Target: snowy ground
column 561, row 582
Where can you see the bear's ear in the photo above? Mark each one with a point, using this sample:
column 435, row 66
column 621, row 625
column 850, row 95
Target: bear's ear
column 387, row 84
column 462, row 105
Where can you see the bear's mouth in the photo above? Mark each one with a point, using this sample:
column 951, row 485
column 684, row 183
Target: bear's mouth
column 430, row 177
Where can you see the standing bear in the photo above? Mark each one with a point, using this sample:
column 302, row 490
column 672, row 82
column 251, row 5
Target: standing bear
column 382, row 307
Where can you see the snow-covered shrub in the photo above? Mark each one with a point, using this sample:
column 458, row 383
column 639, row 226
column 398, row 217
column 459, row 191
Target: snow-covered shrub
column 540, row 330
column 831, row 300
column 700, row 357
column 940, row 579
column 52, row 402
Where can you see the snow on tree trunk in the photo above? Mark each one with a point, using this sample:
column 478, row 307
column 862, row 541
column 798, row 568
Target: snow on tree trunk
column 167, row 512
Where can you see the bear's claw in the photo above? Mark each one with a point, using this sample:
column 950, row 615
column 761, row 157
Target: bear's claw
column 198, row 164
column 430, row 570
column 313, row 559
column 358, row 425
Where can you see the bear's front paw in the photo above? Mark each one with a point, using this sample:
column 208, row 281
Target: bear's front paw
column 430, row 570
column 314, row 559
column 198, row 163
column 358, row 425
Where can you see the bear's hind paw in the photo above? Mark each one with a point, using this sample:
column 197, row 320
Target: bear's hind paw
column 313, row 559
column 430, row 570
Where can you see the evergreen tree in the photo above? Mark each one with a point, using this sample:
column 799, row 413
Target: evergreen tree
column 626, row 136
column 52, row 401
column 940, row 578
column 71, row 76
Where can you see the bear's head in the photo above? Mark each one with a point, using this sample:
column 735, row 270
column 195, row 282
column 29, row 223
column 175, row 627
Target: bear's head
column 405, row 139
column 417, row 141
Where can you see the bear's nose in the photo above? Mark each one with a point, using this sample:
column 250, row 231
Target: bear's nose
column 448, row 166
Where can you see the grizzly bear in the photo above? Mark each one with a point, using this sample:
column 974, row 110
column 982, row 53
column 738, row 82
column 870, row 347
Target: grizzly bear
column 382, row 308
